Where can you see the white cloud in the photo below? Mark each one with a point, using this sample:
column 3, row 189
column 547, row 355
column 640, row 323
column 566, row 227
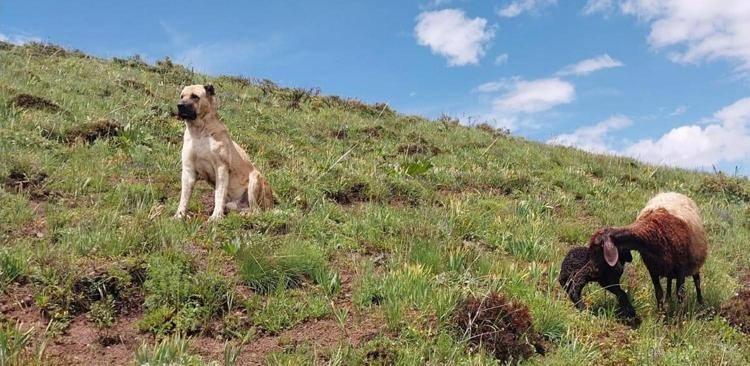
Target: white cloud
column 593, row 138
column 694, row 31
column 518, row 103
column 725, row 140
column 590, row 65
column 451, row 34
column 722, row 139
column 533, row 96
column 432, row 4
column 515, row 8
column 501, row 59
column 680, row 110
column 18, row 39
column 492, row 86
column 598, row 6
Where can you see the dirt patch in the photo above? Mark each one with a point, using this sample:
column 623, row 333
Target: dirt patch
column 502, row 327
column 420, row 147
column 357, row 192
column 20, row 181
column 737, row 309
column 17, row 303
column 321, row 334
column 28, row 101
column 84, row 344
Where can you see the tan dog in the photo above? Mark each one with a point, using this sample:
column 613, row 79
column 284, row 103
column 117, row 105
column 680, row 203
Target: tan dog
column 208, row 153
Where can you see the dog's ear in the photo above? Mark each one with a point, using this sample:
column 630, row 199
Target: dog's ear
column 210, row 90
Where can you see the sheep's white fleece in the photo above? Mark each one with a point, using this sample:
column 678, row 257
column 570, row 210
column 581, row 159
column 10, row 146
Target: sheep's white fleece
column 682, row 207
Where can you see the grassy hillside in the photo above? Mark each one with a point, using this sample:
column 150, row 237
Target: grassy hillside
column 385, row 223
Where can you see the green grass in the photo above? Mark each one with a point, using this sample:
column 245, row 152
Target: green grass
column 390, row 216
column 168, row 351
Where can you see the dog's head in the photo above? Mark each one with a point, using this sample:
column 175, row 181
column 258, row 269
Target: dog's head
column 195, row 101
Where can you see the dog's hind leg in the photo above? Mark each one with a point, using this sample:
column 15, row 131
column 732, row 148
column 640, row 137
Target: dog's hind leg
column 253, row 193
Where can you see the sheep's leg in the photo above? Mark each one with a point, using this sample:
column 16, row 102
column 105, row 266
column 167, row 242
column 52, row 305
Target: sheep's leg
column 626, row 309
column 680, row 288
column 658, row 292
column 669, row 289
column 697, row 281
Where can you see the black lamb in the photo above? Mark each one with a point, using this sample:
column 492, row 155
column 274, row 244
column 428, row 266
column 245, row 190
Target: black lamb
column 577, row 270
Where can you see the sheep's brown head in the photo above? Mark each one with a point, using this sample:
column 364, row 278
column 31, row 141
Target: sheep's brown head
column 601, row 246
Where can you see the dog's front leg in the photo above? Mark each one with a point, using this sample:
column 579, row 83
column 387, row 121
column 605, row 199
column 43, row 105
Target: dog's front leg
column 188, row 181
column 220, row 193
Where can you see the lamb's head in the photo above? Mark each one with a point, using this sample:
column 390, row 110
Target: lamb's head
column 576, row 271
column 580, row 267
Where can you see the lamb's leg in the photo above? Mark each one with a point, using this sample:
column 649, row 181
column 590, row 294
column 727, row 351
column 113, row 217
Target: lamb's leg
column 658, row 292
column 697, row 281
column 680, row 288
column 626, row 308
column 669, row 289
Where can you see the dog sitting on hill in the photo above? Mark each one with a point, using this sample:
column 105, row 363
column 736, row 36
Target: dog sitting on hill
column 208, row 153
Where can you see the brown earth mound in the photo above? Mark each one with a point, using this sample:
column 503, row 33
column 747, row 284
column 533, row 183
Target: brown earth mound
column 354, row 193
column 28, row 101
column 737, row 309
column 503, row 328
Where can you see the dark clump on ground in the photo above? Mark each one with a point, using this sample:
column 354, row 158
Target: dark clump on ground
column 500, row 132
column 119, row 283
column 49, row 50
column 732, row 188
column 354, row 193
column 420, row 147
column 88, row 132
column 28, row 101
column 136, row 85
column 737, row 309
column 357, row 106
column 503, row 328
column 20, row 181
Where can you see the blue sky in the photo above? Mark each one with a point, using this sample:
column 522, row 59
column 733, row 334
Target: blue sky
column 663, row 81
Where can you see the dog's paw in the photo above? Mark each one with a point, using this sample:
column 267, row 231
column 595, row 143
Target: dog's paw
column 215, row 217
column 179, row 215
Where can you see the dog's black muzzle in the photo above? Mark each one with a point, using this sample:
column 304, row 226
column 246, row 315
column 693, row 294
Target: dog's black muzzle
column 186, row 111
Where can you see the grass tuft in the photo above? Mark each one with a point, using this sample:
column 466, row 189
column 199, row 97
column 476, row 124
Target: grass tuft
column 287, row 267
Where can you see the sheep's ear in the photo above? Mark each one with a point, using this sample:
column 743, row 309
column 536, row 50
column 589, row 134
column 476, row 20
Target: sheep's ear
column 611, row 254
